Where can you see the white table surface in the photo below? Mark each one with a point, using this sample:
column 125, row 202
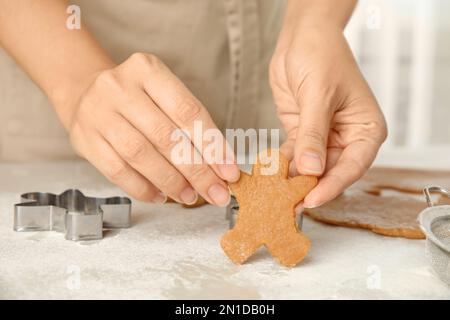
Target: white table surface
column 174, row 253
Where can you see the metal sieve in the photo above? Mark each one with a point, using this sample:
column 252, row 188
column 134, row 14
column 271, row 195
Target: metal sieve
column 435, row 223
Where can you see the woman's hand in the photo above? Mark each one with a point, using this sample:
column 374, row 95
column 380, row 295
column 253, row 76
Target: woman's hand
column 333, row 123
column 120, row 118
column 122, row 123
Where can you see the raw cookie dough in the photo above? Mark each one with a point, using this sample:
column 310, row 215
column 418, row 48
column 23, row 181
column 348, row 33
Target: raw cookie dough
column 266, row 214
column 407, row 180
column 365, row 206
column 389, row 216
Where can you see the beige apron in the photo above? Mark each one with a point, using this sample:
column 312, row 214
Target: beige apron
column 219, row 48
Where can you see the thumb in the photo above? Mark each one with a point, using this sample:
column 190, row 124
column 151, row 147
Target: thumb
column 312, row 138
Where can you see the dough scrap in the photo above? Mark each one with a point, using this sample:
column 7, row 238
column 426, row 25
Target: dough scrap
column 365, row 206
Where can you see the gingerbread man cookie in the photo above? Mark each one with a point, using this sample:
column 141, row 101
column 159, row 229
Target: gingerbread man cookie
column 266, row 212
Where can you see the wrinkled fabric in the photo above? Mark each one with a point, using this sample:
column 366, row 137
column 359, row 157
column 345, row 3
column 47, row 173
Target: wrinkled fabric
column 219, row 49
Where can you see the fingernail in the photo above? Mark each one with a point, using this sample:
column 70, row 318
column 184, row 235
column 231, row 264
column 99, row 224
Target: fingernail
column 229, row 172
column 311, row 162
column 188, row 196
column 311, row 205
column 299, row 208
column 219, row 195
column 160, row 198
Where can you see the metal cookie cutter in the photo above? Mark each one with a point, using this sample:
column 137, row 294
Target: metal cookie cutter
column 232, row 212
column 435, row 223
column 72, row 213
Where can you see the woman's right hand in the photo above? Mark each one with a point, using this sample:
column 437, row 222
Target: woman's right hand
column 123, row 121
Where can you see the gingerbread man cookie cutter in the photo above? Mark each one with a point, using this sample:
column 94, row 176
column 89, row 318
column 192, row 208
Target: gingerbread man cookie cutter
column 72, row 213
column 266, row 205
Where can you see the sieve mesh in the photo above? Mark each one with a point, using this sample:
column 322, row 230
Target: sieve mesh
column 441, row 229
column 440, row 258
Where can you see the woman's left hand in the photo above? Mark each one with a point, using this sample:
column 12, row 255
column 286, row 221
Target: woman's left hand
column 333, row 123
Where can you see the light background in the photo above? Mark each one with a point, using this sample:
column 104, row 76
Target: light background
column 403, row 49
